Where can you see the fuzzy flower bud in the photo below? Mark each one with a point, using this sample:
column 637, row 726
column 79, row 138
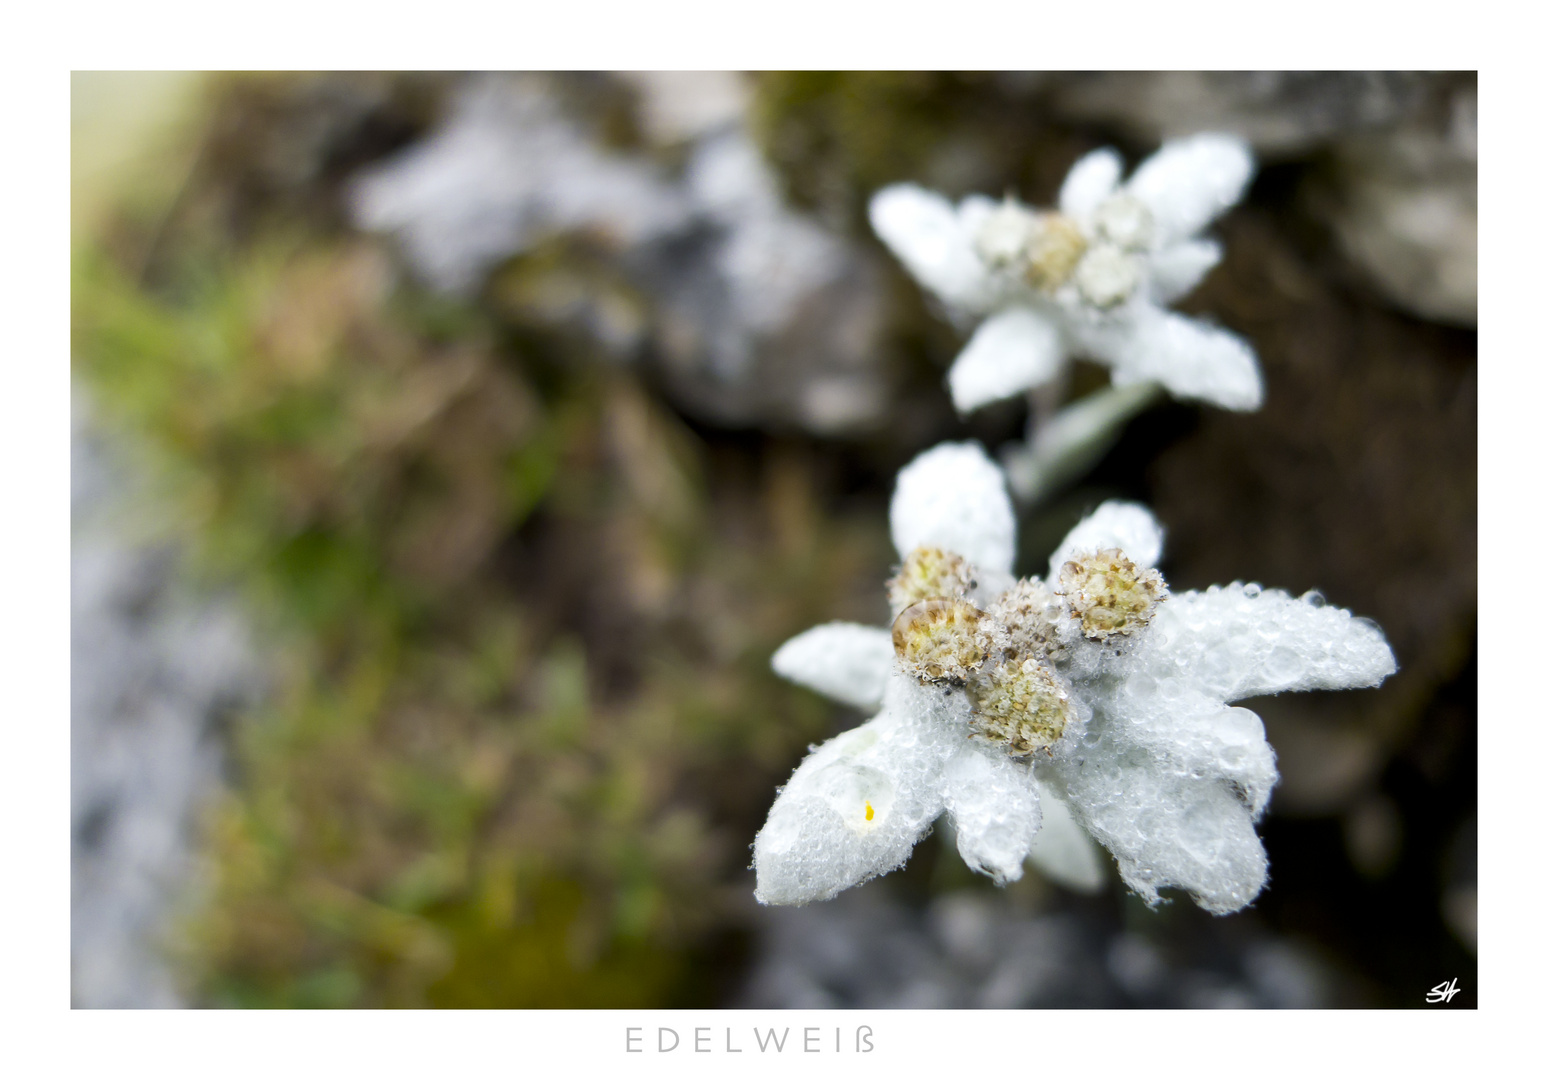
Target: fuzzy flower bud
column 1109, row 594
column 1020, row 705
column 930, row 573
column 1029, row 612
column 942, row 640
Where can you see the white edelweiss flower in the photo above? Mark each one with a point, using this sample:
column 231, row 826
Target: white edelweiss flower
column 1093, row 704
column 1091, row 278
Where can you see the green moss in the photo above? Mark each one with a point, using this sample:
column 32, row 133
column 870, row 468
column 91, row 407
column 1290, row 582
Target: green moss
column 836, row 137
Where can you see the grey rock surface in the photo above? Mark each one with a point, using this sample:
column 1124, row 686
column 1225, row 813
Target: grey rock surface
column 1282, row 113
column 750, row 312
column 971, row 949
column 506, row 169
column 1406, row 211
column 154, row 674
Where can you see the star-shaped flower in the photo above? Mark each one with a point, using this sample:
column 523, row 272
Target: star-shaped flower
column 1095, row 696
column 1091, row 279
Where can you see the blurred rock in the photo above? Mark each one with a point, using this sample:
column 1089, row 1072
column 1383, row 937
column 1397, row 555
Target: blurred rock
column 1406, row 211
column 679, row 106
column 154, row 673
column 751, row 313
column 505, row 169
column 1282, row 113
column 971, row 949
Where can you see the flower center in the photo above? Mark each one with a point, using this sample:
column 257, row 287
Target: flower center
column 1029, row 611
column 1109, row 593
column 1054, row 253
column 1020, row 705
column 1107, row 276
column 1043, row 249
column 930, row 573
column 942, row 640
column 1006, row 235
column 1126, row 222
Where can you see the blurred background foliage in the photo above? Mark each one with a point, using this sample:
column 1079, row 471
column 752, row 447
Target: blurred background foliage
column 517, row 588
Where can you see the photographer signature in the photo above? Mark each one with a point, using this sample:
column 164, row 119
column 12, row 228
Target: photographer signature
column 1443, row 992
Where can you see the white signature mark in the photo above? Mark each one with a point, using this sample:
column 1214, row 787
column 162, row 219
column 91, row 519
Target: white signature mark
column 1443, row 992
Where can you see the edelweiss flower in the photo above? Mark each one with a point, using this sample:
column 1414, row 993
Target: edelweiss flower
column 1090, row 279
column 1095, row 696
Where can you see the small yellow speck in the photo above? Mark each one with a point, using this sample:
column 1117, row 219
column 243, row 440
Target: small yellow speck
column 869, row 812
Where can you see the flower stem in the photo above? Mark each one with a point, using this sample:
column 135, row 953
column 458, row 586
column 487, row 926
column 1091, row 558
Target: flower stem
column 1066, row 445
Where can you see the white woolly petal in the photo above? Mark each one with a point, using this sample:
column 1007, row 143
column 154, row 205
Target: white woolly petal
column 1062, row 851
column 1090, row 180
column 843, row 660
column 1239, row 640
column 1126, row 525
column 1167, row 828
column 992, row 800
column 1177, row 268
column 1190, row 182
column 857, row 805
column 1191, row 359
column 953, row 497
column 925, row 233
column 1190, row 732
column 1010, row 352
column 972, row 212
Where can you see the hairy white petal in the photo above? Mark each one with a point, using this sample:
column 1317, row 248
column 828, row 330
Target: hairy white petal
column 992, row 800
column 843, row 660
column 953, row 497
column 1115, row 524
column 1190, row 182
column 1090, row 180
column 1188, row 731
column 972, row 212
column 1238, row 641
column 1062, row 851
column 1190, row 358
column 1177, row 268
column 926, row 234
column 855, row 807
column 1167, row 828
column 1012, row 351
